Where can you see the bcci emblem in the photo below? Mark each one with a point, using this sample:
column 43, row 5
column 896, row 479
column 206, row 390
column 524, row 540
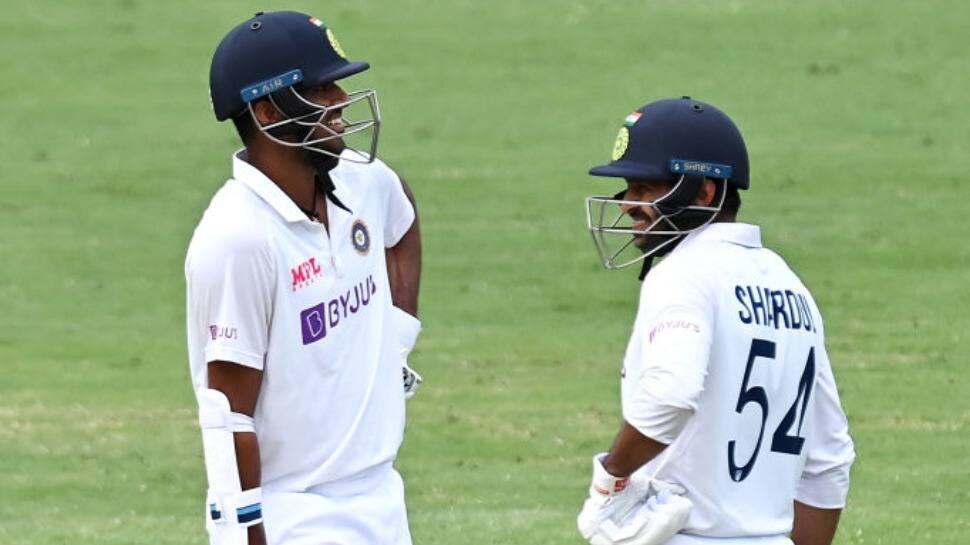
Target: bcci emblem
column 360, row 238
column 330, row 37
column 622, row 141
column 335, row 44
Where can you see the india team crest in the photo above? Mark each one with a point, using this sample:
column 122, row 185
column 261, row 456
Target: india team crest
column 330, row 37
column 360, row 237
column 622, row 141
column 335, row 44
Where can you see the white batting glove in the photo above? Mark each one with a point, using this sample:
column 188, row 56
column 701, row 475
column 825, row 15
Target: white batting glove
column 405, row 330
column 632, row 511
column 412, row 380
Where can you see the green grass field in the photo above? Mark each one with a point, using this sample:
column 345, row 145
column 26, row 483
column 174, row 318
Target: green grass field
column 493, row 111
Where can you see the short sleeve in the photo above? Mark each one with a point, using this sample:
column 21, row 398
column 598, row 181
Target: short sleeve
column 825, row 478
column 229, row 291
column 677, row 330
column 399, row 212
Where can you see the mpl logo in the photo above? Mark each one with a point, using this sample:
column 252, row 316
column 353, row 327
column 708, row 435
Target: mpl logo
column 306, row 273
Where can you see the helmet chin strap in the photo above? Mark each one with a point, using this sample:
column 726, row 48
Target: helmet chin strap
column 321, row 164
column 289, row 105
column 667, row 243
column 301, row 119
column 645, row 268
column 322, row 182
column 652, row 242
column 672, row 206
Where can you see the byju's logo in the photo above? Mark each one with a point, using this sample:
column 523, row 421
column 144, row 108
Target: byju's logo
column 222, row 332
column 674, row 324
column 318, row 320
column 306, row 273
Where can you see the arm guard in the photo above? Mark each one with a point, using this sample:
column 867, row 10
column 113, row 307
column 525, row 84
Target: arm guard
column 229, row 509
column 405, row 330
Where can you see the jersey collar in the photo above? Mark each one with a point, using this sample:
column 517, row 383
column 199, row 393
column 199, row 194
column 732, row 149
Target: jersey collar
column 742, row 234
column 271, row 193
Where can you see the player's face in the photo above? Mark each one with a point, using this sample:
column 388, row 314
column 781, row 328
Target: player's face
column 329, row 94
column 643, row 216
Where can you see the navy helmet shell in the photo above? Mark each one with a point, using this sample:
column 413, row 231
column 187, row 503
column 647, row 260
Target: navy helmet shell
column 675, row 136
column 272, row 51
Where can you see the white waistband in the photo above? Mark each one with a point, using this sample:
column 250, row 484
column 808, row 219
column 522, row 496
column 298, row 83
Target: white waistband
column 686, row 539
column 359, row 483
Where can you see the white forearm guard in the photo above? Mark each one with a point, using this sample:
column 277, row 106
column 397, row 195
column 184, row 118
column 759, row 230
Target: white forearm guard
column 229, row 509
column 406, row 329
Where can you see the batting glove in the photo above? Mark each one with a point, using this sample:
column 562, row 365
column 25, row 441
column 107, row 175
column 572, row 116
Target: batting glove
column 412, row 379
column 631, row 511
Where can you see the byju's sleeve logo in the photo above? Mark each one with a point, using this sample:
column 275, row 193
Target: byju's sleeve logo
column 223, row 332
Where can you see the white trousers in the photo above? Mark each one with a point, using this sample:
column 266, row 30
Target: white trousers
column 365, row 510
column 684, row 539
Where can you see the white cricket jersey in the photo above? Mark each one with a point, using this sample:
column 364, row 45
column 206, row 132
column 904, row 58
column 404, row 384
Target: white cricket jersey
column 270, row 289
column 727, row 365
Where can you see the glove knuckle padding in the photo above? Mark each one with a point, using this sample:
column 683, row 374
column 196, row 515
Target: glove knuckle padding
column 412, row 380
column 642, row 511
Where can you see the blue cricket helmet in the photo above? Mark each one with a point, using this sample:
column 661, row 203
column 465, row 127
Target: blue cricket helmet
column 272, row 51
column 675, row 136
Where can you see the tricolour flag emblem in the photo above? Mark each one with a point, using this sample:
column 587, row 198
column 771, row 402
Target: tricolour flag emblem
column 631, row 119
column 316, row 21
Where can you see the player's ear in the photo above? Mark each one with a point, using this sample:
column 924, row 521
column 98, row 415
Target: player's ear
column 705, row 197
column 266, row 113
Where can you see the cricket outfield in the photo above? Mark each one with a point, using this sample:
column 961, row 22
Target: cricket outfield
column 493, row 112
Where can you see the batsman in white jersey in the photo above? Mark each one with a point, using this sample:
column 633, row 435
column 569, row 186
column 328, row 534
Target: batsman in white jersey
column 302, row 286
column 733, row 430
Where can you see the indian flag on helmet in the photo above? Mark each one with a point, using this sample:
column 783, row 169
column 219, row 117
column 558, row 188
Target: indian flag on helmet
column 333, row 39
column 631, row 119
